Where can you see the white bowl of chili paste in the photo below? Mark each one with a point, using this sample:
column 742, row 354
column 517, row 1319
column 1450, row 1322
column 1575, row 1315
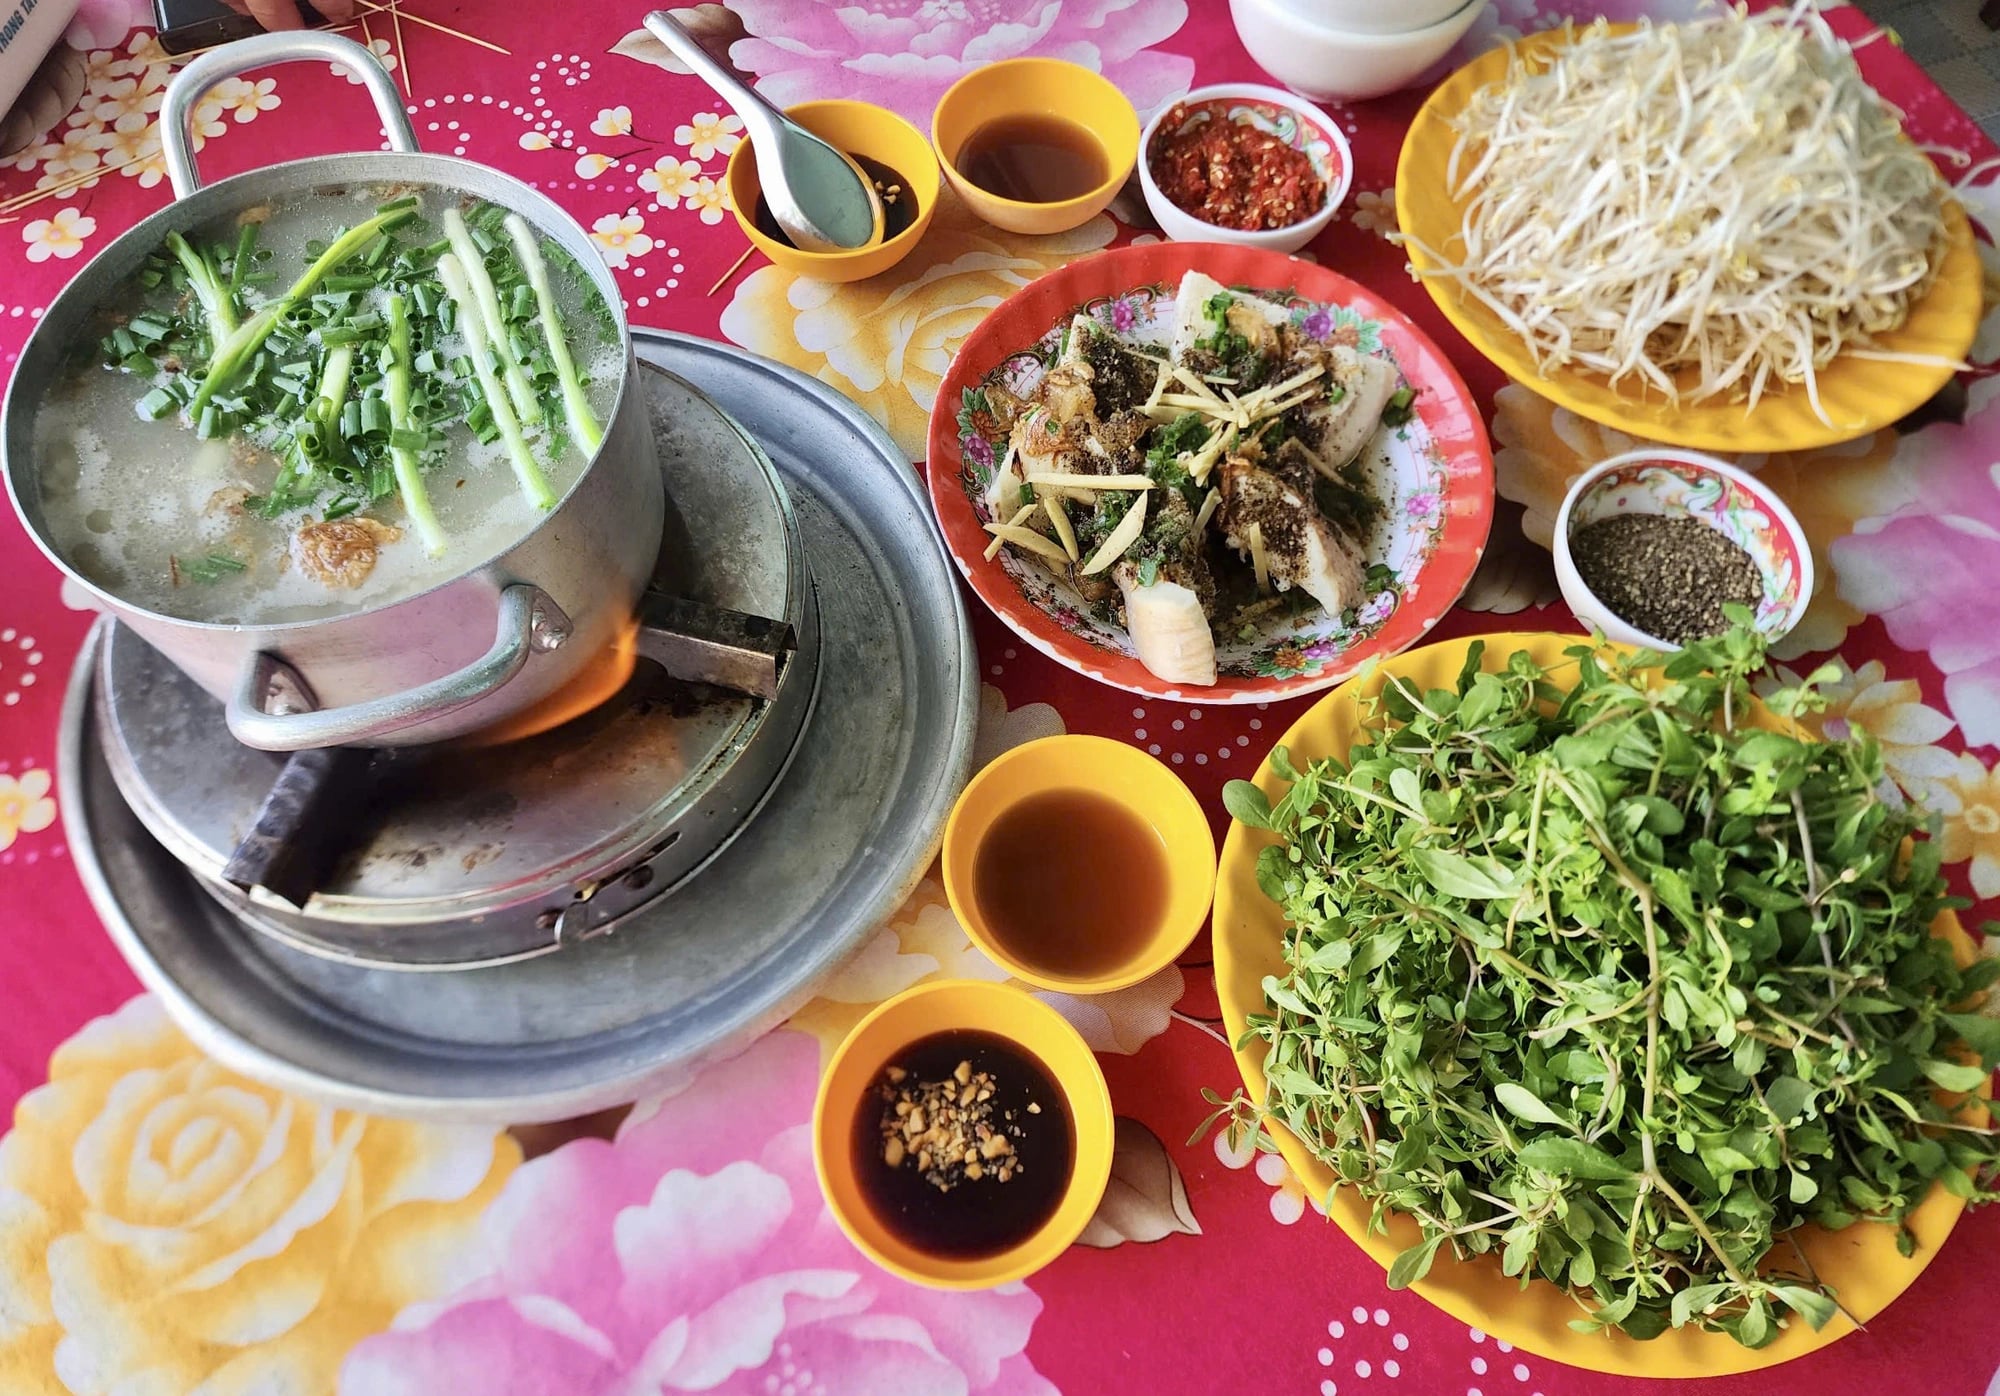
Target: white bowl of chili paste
column 1244, row 164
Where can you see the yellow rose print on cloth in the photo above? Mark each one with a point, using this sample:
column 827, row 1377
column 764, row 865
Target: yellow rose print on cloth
column 1542, row 447
column 168, row 1228
column 887, row 341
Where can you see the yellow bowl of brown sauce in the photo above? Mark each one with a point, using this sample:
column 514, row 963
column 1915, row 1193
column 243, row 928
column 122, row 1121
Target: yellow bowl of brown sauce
column 1035, row 145
column 891, row 152
column 1079, row 864
column 963, row 1134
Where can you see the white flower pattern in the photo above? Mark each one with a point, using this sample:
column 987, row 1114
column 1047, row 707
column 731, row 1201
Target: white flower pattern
column 670, row 179
column 708, row 134
column 61, row 237
column 620, row 238
column 384, row 54
column 1376, row 212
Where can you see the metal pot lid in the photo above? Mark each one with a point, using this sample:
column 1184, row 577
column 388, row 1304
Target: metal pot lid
column 469, row 854
column 737, row 948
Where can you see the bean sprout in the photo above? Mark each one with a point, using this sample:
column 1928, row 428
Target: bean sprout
column 1717, row 208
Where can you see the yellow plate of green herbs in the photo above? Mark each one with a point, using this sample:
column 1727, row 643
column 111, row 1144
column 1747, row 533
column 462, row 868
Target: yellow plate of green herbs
column 1861, row 1264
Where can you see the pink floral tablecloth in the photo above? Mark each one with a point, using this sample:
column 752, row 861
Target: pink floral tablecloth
column 169, row 1228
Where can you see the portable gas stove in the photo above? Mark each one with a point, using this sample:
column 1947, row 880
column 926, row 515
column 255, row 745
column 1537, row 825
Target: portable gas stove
column 702, row 849
column 482, row 851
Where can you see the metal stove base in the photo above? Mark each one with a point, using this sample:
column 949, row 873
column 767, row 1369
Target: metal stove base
column 479, row 856
column 847, row 832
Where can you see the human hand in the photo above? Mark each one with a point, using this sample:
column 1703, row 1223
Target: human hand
column 283, row 14
column 52, row 91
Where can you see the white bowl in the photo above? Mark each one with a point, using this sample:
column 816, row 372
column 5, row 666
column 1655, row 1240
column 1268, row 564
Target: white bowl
column 1735, row 503
column 1299, row 123
column 1325, row 63
column 1374, row 16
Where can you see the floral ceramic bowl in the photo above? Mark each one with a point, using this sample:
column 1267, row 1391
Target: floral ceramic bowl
column 1731, row 501
column 1434, row 473
column 1298, row 123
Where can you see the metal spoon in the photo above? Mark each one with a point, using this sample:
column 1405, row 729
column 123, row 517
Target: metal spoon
column 817, row 194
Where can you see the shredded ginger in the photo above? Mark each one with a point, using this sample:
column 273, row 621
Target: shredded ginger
column 1716, row 208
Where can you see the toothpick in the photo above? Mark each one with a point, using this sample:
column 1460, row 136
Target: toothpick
column 62, row 186
column 368, row 8
column 402, row 49
column 734, row 267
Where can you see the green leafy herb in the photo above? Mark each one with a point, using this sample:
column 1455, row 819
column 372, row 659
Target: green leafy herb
column 1588, row 974
column 1185, row 434
column 210, row 569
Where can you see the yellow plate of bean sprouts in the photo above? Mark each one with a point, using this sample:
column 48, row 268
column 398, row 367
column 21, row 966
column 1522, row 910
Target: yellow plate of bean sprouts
column 1581, row 236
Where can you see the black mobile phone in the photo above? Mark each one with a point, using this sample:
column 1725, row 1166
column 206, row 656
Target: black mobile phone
column 186, row 25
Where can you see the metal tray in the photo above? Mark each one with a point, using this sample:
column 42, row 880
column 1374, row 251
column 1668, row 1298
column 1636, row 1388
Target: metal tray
column 846, row 835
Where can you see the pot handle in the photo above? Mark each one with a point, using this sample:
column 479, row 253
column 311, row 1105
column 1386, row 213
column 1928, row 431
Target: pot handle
column 192, row 83
column 272, row 708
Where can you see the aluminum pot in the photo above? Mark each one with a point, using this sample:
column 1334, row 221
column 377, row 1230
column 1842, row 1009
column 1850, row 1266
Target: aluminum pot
column 494, row 639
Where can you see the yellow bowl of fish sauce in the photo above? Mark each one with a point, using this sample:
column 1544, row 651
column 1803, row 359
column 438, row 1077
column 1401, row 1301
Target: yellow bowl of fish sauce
column 1035, row 145
column 873, row 136
column 1079, row 864
column 858, row 1070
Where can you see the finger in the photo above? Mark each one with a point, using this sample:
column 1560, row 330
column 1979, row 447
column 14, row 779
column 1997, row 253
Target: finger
column 275, row 14
column 51, row 92
column 336, row 11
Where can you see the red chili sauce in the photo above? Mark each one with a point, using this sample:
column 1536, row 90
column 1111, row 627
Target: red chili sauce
column 1233, row 175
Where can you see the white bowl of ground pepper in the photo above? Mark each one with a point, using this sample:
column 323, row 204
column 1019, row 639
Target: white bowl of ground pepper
column 1650, row 546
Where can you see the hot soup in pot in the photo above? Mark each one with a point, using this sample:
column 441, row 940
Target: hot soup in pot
column 325, row 406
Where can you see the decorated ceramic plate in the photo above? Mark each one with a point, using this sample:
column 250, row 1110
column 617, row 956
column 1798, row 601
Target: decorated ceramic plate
column 1861, row 1262
column 1859, row 395
column 1434, row 474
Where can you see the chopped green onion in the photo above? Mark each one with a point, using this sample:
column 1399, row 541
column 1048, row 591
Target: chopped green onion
column 237, row 350
column 582, row 422
column 156, row 404
column 209, row 289
column 375, row 417
column 485, row 302
column 533, row 484
column 212, row 568
column 239, row 265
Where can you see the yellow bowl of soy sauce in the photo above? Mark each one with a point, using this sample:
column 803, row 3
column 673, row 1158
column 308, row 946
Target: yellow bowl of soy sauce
column 1079, row 864
column 1035, row 145
column 892, row 152
column 1024, row 1074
